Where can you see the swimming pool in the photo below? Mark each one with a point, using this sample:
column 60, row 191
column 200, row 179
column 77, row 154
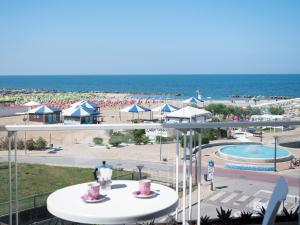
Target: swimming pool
column 254, row 153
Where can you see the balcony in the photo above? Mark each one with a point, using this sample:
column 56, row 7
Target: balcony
column 178, row 163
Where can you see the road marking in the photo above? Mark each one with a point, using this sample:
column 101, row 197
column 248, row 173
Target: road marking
column 243, row 198
column 216, row 196
column 253, row 203
column 228, row 198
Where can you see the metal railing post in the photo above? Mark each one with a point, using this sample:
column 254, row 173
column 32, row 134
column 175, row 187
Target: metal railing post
column 184, row 181
column 10, row 136
column 16, row 182
column 177, row 169
column 199, row 154
column 190, row 173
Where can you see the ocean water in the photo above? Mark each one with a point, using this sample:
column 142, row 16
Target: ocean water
column 214, row 86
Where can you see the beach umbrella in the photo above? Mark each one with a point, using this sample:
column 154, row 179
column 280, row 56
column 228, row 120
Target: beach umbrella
column 87, row 104
column 44, row 109
column 192, row 100
column 78, row 111
column 135, row 109
column 165, row 108
column 31, row 104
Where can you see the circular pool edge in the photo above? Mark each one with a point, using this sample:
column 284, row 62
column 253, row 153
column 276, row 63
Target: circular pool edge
column 253, row 160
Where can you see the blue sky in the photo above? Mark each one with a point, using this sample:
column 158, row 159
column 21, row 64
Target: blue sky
column 146, row 37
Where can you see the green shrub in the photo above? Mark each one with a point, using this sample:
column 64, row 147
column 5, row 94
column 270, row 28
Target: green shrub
column 163, row 139
column 40, row 144
column 116, row 139
column 276, row 110
column 98, row 140
column 20, row 144
column 4, row 143
column 145, row 139
column 30, row 144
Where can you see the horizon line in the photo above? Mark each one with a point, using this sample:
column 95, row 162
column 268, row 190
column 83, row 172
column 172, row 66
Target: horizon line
column 149, row 74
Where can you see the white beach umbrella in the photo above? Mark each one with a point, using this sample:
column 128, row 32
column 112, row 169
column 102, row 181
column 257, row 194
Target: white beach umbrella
column 31, row 104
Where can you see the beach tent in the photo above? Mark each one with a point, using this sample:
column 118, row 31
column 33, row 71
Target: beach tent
column 45, row 114
column 80, row 114
column 188, row 114
column 192, row 100
column 135, row 109
column 87, row 104
column 165, row 108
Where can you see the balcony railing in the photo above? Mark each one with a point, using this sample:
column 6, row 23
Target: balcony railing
column 180, row 127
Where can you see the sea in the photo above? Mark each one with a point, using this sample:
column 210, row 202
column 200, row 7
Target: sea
column 180, row 86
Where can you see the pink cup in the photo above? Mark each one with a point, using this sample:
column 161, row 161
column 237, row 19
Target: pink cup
column 94, row 190
column 145, row 187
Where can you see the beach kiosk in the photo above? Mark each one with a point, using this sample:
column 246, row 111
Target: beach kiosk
column 80, row 115
column 45, row 114
column 188, row 114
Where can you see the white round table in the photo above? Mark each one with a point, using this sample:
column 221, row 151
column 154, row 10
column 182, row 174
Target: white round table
column 120, row 207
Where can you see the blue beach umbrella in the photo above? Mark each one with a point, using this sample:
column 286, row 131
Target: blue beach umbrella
column 192, row 100
column 135, row 109
column 44, row 109
column 165, row 108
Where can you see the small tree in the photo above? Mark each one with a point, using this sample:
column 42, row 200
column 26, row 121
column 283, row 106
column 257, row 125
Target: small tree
column 138, row 136
column 98, row 140
column 40, row 144
column 116, row 139
column 30, row 144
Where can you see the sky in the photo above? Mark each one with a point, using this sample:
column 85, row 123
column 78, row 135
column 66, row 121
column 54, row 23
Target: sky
column 149, row 37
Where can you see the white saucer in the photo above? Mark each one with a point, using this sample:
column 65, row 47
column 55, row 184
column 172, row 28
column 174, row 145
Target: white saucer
column 138, row 194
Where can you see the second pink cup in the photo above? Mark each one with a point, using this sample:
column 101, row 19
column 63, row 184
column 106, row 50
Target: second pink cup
column 145, row 187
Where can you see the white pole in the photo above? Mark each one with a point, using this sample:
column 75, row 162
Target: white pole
column 16, row 181
column 177, row 168
column 184, row 180
column 190, row 175
column 9, row 177
column 199, row 178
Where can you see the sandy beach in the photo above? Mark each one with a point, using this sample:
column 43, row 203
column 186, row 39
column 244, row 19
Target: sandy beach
column 80, row 144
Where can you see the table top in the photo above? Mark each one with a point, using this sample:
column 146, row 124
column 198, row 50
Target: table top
column 120, row 207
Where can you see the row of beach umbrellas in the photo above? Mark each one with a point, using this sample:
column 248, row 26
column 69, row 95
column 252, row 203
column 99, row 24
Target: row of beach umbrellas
column 86, row 108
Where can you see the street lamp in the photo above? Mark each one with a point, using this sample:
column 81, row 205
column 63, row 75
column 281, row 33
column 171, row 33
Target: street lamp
column 140, row 167
column 275, row 152
column 24, row 120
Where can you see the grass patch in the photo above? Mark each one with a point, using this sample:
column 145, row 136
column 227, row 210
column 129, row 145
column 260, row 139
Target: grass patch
column 35, row 179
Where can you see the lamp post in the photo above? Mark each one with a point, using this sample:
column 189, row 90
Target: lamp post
column 140, row 167
column 275, row 152
column 24, row 120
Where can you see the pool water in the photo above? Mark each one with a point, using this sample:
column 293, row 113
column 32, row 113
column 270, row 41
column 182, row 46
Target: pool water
column 254, row 151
